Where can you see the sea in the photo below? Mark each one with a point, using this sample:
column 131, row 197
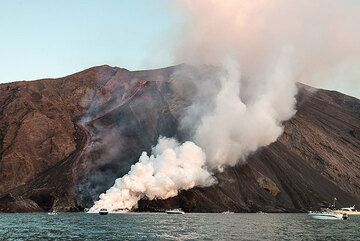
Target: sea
column 161, row 226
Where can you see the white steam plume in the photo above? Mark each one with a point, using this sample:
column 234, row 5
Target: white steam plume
column 234, row 128
column 274, row 43
column 170, row 168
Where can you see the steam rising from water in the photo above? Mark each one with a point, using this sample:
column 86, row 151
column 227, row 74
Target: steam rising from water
column 261, row 49
column 170, row 168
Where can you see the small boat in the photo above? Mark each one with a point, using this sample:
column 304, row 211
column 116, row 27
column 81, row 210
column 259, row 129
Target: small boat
column 328, row 215
column 52, row 213
column 175, row 211
column 227, row 212
column 103, row 211
column 348, row 211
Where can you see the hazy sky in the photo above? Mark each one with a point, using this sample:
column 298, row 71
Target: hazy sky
column 42, row 38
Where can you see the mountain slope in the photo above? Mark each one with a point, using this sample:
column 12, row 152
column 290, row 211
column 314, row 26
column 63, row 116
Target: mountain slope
column 315, row 160
column 64, row 141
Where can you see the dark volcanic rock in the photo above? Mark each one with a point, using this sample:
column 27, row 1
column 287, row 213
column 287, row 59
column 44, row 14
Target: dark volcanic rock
column 64, row 141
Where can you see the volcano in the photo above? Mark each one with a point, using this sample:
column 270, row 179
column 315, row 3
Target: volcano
column 64, row 141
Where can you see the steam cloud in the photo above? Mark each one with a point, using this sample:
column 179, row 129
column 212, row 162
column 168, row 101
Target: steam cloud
column 260, row 50
column 236, row 125
column 170, row 168
column 322, row 34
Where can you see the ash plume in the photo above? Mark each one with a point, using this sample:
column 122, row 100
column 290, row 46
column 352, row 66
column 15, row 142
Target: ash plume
column 251, row 55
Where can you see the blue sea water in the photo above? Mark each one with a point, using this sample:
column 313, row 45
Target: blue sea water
column 161, row 226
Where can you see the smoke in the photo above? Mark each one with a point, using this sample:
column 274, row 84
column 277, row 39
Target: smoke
column 322, row 34
column 248, row 56
column 170, row 168
column 236, row 127
column 273, row 44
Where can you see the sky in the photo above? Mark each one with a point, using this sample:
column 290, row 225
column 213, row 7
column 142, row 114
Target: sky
column 41, row 38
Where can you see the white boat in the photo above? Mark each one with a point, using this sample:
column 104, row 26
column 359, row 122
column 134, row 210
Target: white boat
column 328, row 215
column 103, row 211
column 348, row 211
column 52, row 213
column 227, row 212
column 175, row 211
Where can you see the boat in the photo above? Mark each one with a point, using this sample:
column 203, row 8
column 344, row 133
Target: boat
column 227, row 212
column 175, row 211
column 103, row 211
column 348, row 211
column 52, row 213
column 328, row 215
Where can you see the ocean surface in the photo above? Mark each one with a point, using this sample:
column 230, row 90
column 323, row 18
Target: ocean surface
column 161, row 226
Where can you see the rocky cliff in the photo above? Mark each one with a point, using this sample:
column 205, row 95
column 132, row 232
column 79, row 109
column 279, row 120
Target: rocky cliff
column 63, row 141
